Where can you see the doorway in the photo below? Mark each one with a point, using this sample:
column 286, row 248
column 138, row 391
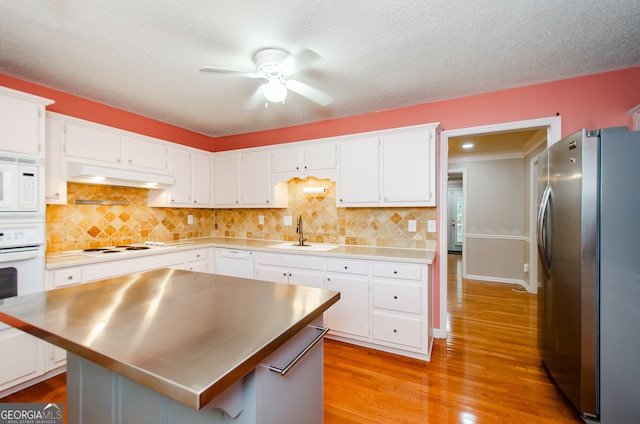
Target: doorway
column 553, row 130
column 455, row 212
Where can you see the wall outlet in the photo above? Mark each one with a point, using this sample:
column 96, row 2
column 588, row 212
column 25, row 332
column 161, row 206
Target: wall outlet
column 288, row 221
column 189, row 219
column 431, row 225
column 412, row 225
column 526, row 267
column 260, row 219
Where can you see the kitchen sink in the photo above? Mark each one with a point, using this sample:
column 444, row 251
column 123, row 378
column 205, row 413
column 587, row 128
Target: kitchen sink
column 306, row 247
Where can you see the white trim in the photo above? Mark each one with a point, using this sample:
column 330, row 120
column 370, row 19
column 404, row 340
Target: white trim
column 496, row 280
column 487, row 157
column 516, row 237
column 554, row 134
column 532, row 287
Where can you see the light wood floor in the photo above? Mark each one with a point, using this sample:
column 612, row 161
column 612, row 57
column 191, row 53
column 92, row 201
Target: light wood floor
column 487, row 370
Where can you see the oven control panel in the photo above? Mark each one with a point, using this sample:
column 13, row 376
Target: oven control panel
column 20, row 236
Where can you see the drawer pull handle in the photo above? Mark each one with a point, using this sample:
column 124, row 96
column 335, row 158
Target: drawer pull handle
column 283, row 371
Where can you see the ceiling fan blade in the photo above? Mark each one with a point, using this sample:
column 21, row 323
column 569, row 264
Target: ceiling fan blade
column 294, row 63
column 309, row 92
column 237, row 72
column 257, row 98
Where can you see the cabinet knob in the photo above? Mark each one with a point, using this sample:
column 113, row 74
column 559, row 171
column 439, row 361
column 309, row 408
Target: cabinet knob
column 346, row 267
column 328, row 279
column 305, row 167
column 395, row 331
column 395, row 272
column 395, row 297
column 297, row 168
column 70, row 277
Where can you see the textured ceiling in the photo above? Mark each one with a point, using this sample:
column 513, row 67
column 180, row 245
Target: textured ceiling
column 143, row 56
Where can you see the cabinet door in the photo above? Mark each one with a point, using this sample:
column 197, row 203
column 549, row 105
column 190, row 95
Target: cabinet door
column 257, row 187
column 92, row 142
column 272, row 274
column 320, row 156
column 359, row 171
column 226, row 180
column 407, row 167
column 55, row 181
column 19, row 126
column 180, row 191
column 306, row 278
column 143, row 153
column 21, row 361
column 351, row 314
column 200, row 179
column 288, row 159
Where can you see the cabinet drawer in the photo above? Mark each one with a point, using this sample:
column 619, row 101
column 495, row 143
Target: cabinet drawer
column 399, row 330
column 67, row 276
column 397, row 270
column 349, row 266
column 291, row 261
column 196, row 255
column 397, row 297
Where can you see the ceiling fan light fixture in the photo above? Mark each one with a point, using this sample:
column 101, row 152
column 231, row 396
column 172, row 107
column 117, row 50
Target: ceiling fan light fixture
column 275, row 91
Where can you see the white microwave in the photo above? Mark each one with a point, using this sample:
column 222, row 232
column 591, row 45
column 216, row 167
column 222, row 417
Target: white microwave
column 19, row 185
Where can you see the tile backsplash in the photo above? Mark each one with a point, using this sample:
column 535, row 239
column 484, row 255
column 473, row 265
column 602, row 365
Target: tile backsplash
column 77, row 226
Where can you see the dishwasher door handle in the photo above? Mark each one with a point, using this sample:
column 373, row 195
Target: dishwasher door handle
column 299, row 356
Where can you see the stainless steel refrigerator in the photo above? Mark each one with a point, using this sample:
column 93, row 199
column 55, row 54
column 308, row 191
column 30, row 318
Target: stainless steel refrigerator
column 589, row 248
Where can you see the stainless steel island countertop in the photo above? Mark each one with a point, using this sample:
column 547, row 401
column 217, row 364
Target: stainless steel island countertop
column 184, row 334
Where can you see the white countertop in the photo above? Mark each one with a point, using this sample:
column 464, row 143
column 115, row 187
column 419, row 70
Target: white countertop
column 423, row 256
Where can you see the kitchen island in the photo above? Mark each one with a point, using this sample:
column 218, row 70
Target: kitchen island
column 169, row 346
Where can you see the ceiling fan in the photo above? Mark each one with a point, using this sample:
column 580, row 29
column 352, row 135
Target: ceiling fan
column 276, row 66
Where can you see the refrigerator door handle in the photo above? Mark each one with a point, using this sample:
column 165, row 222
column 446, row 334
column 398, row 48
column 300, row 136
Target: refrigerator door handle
column 542, row 231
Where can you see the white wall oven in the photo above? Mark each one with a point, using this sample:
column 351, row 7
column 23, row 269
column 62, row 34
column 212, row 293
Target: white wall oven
column 22, row 258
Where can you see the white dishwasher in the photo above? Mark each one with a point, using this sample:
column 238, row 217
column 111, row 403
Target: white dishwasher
column 235, row 263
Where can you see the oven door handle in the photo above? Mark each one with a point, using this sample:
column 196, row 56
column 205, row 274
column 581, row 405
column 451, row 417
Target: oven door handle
column 19, row 254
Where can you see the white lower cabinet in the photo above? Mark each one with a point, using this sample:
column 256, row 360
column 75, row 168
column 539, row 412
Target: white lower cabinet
column 290, row 269
column 350, row 316
column 399, row 313
column 21, row 357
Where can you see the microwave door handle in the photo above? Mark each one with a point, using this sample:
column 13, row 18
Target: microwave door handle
column 543, row 237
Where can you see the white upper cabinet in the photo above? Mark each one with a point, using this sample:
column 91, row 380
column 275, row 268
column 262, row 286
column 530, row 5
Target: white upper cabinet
column 144, row 152
column 93, row 142
column 388, row 168
column 255, row 179
column 191, row 170
column 317, row 159
column 408, row 167
column 358, row 171
column 55, row 181
column 22, row 122
column 226, row 180
column 114, row 147
column 244, row 179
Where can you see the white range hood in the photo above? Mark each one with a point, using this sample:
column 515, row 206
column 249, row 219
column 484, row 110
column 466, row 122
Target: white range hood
column 95, row 174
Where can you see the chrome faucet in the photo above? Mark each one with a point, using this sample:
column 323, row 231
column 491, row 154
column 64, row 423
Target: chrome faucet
column 301, row 238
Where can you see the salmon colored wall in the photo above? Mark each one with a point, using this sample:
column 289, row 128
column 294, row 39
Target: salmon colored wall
column 594, row 101
column 79, row 107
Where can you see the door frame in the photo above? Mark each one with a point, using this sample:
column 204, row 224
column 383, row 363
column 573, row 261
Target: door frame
column 554, row 134
column 463, row 172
